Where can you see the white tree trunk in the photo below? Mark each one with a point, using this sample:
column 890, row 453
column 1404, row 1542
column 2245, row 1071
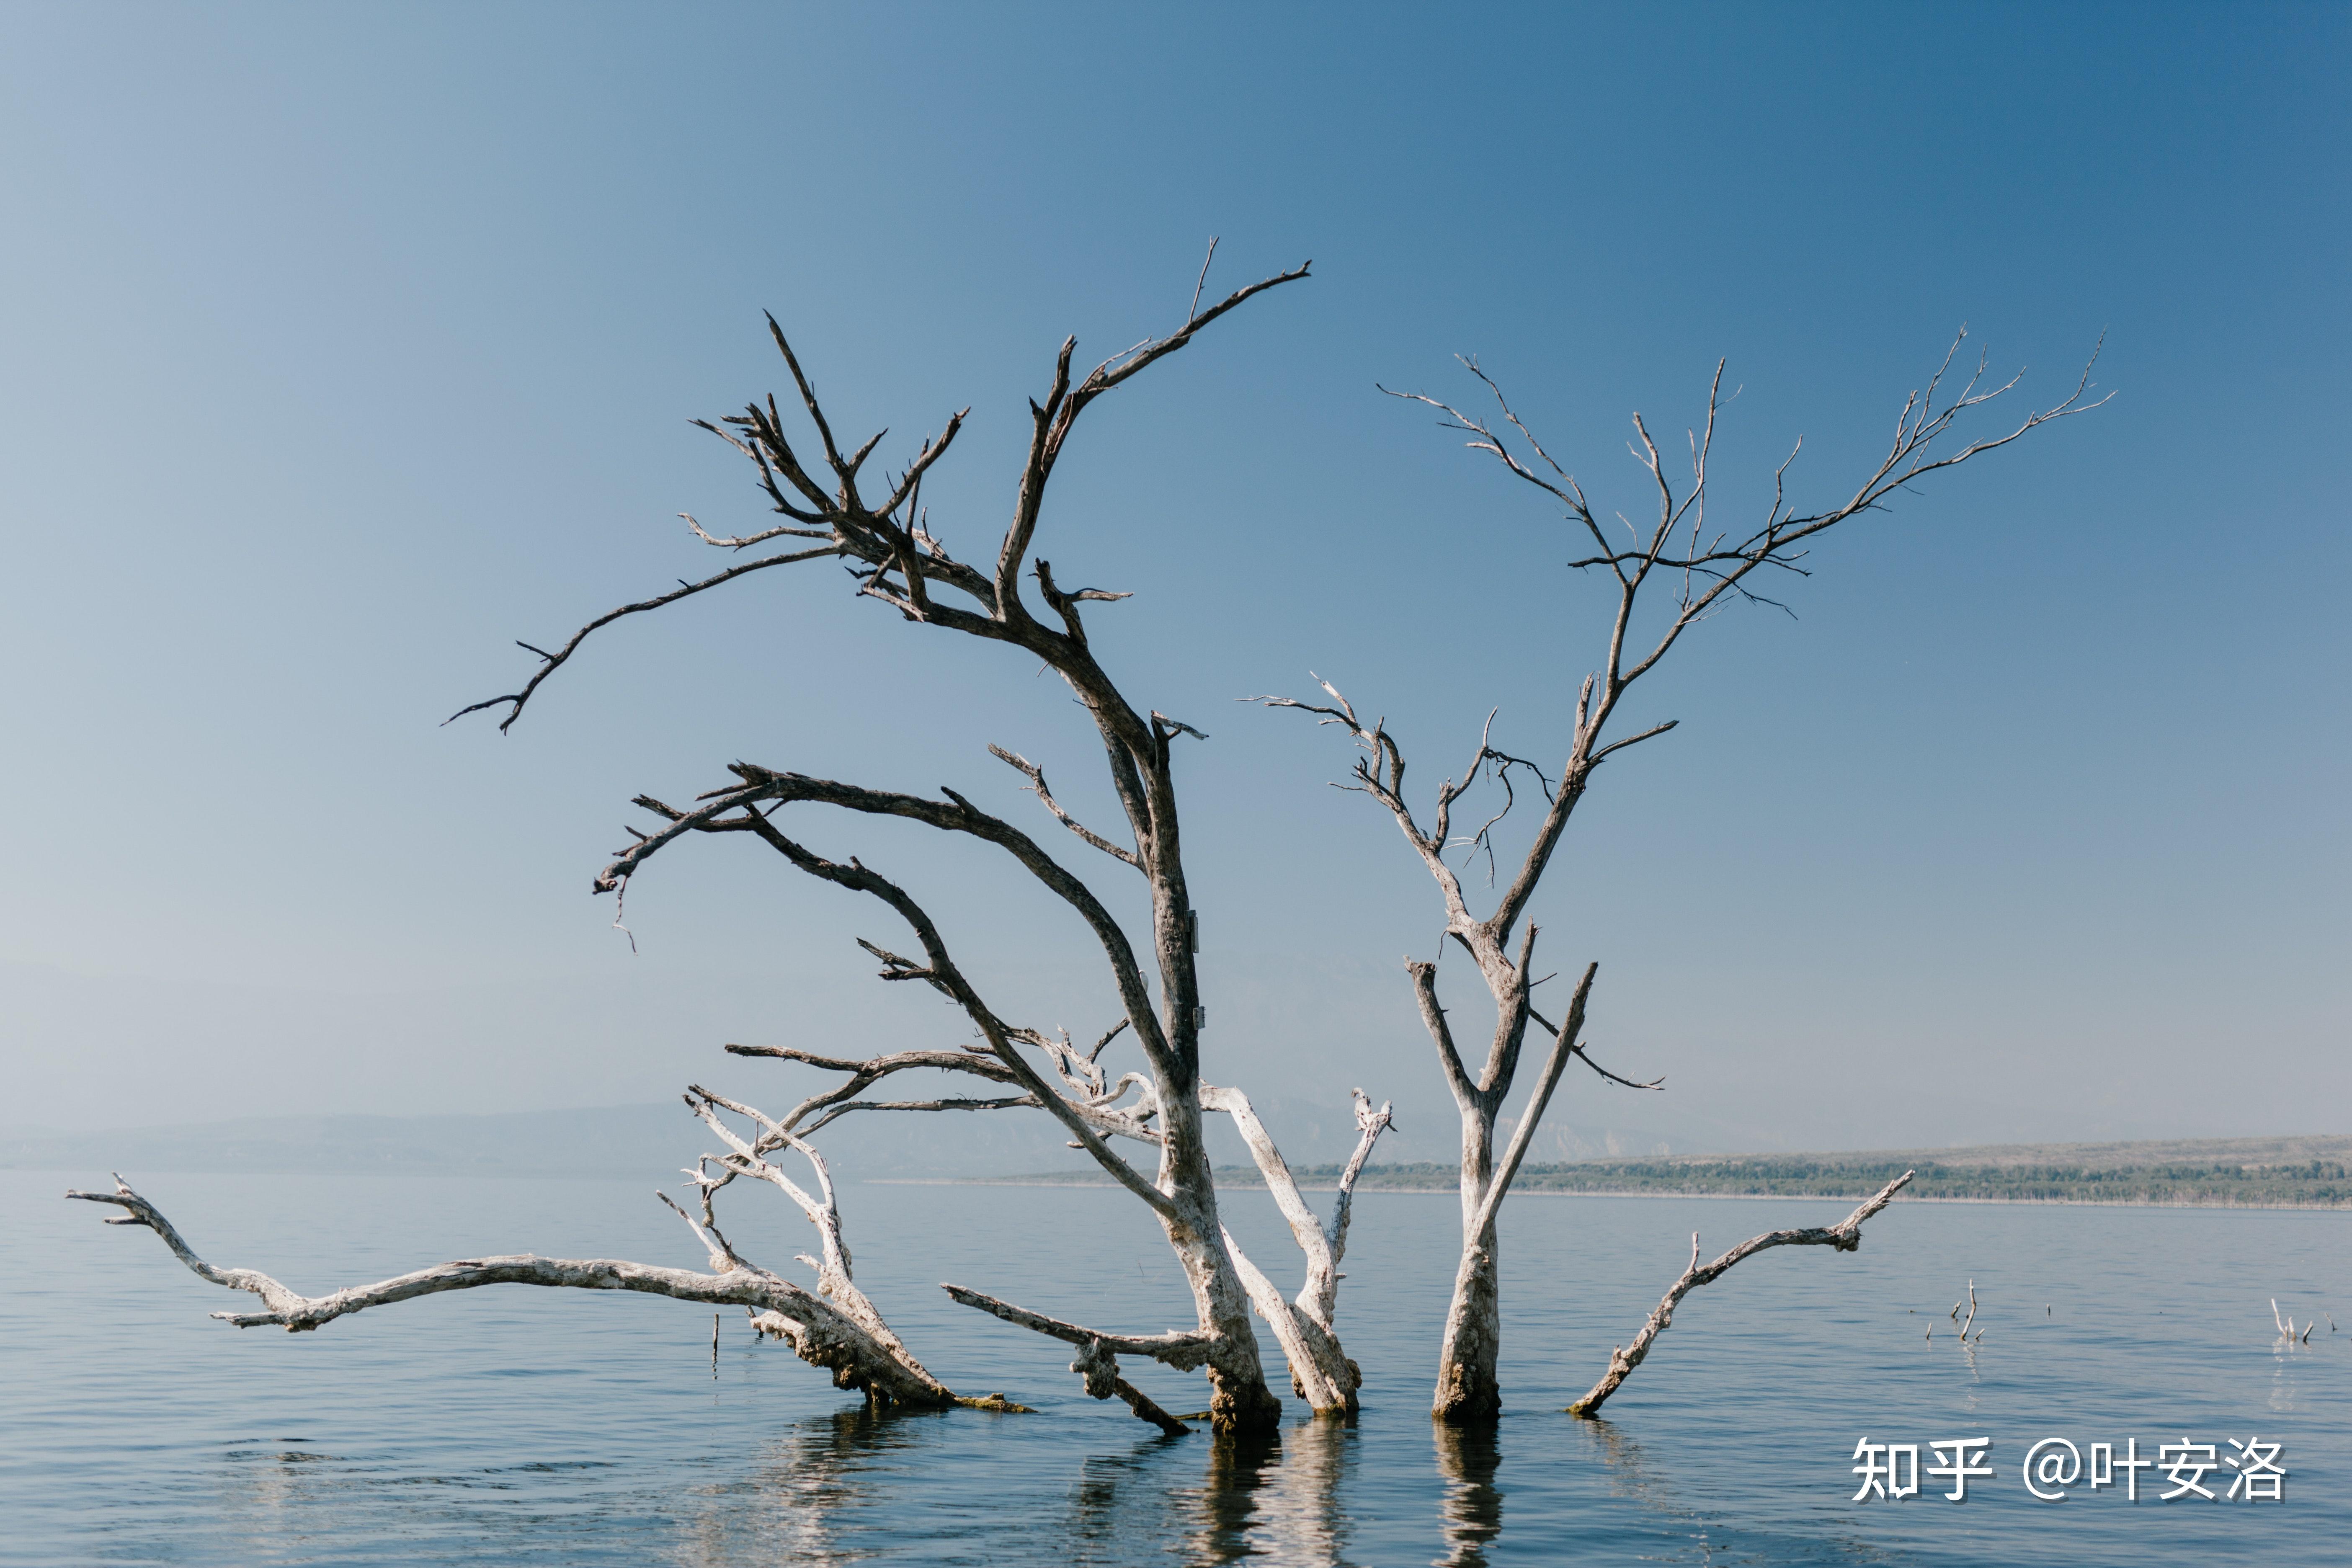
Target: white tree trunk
column 1319, row 1369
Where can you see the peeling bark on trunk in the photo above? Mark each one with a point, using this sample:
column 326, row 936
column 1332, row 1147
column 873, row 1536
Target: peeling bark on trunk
column 1468, row 1388
column 1239, row 1399
column 1320, row 1371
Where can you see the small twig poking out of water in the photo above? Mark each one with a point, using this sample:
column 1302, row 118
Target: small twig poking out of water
column 2287, row 1330
column 1969, row 1301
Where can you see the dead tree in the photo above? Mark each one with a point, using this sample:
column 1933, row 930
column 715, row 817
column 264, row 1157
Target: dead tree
column 835, row 1327
column 894, row 557
column 1845, row 1236
column 1698, row 571
column 1321, row 1372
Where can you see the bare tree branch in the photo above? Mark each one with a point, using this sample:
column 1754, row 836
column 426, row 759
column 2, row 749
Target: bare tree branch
column 1036, row 786
column 891, row 553
column 1320, row 1370
column 1563, row 1045
column 1707, row 567
column 1100, row 1369
column 1657, row 1083
column 1432, row 1017
column 552, row 662
column 820, row 1332
column 1369, row 1125
column 1845, row 1237
column 1183, row 1351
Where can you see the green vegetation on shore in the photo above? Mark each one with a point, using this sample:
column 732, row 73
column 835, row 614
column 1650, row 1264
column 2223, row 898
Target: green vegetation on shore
column 2316, row 1182
column 2303, row 1173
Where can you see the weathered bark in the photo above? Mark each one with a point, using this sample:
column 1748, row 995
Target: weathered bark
column 848, row 1341
column 1701, row 573
column 1099, row 1368
column 1320, row 1371
column 833, row 1267
column 1097, row 1361
column 1469, row 1386
column 1845, row 1236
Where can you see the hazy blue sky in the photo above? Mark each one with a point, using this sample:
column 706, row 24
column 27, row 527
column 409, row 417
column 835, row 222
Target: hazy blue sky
column 346, row 344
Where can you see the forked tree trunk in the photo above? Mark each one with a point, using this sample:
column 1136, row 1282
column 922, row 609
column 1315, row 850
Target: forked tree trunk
column 1698, row 571
column 1469, row 1389
column 1239, row 1399
column 1320, row 1372
column 902, row 562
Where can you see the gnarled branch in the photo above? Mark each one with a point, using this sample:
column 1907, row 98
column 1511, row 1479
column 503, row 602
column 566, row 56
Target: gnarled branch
column 1036, row 786
column 1319, row 1369
column 1845, row 1236
column 1184, row 1349
column 891, row 553
column 820, row 1332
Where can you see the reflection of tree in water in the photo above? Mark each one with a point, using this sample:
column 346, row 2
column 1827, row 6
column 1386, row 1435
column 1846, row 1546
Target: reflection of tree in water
column 809, row 1498
column 1619, row 1455
column 1632, row 1476
column 1120, row 1498
column 267, row 1489
column 1227, row 1501
column 1275, row 1498
column 1472, row 1512
column 1303, row 1520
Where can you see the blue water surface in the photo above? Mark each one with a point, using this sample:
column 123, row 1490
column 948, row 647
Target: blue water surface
column 513, row 1425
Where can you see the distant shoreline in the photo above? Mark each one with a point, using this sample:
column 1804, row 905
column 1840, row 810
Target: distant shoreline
column 2279, row 1172
column 1259, row 1185
column 2303, row 1173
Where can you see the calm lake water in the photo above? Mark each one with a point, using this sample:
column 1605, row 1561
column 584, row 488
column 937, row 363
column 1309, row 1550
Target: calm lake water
column 511, row 1425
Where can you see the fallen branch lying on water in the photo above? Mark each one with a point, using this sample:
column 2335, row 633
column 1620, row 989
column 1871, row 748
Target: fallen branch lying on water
column 835, row 1327
column 1845, row 1237
column 1098, row 1355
